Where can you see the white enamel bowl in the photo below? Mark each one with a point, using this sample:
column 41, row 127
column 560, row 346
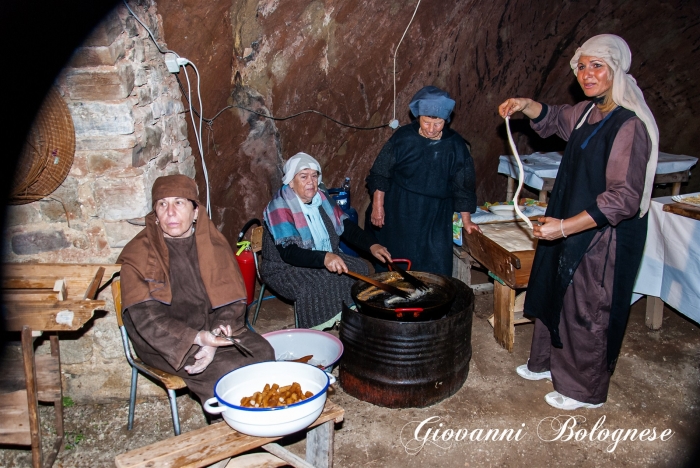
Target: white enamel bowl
column 504, row 210
column 295, row 343
column 269, row 422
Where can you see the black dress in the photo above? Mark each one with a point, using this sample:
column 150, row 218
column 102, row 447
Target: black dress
column 425, row 182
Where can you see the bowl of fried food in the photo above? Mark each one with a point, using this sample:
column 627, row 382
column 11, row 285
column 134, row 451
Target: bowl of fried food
column 313, row 347
column 270, row 399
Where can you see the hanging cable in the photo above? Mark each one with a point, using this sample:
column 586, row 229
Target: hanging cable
column 198, row 131
column 286, row 117
column 395, row 52
column 153, row 38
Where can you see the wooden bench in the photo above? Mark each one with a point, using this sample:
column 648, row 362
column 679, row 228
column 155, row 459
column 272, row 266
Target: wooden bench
column 41, row 298
column 211, row 444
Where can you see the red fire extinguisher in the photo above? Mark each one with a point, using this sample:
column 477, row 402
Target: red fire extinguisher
column 246, row 260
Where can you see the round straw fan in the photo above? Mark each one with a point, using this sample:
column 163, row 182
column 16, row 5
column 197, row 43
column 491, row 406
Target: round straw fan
column 48, row 153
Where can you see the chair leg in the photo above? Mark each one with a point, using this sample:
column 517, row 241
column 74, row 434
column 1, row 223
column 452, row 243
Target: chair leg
column 132, row 397
column 257, row 306
column 173, row 410
column 296, row 317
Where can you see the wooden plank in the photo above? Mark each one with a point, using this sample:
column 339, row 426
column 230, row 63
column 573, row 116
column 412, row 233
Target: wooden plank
column 91, row 291
column 256, row 239
column 256, row 460
column 462, row 268
column 33, row 282
column 494, row 257
column 503, row 305
column 654, row 313
column 48, row 377
column 320, row 445
column 672, row 178
column 683, row 209
column 32, row 402
column 56, row 316
column 281, row 452
column 207, row 445
column 77, row 276
column 30, row 295
column 14, row 417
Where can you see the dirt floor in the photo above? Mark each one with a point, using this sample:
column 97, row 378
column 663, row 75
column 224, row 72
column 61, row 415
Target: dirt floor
column 656, row 385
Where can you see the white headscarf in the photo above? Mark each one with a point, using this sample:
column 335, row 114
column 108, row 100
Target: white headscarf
column 625, row 93
column 298, row 163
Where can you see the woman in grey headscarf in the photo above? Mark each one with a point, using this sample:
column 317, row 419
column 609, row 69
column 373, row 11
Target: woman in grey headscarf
column 422, row 175
column 592, row 235
column 301, row 258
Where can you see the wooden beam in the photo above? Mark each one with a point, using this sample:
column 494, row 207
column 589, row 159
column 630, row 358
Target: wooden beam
column 50, row 316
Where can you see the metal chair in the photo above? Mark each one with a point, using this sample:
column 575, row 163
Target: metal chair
column 169, row 381
column 256, row 240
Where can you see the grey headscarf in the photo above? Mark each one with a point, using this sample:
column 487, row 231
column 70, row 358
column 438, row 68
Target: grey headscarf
column 625, row 92
column 298, row 163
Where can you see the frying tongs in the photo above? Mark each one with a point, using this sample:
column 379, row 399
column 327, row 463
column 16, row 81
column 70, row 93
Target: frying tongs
column 233, row 340
column 415, row 282
column 386, row 287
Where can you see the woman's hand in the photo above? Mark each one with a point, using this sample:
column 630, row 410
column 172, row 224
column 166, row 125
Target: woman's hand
column 334, row 264
column 527, row 106
column 380, row 252
column 467, row 223
column 471, row 227
column 377, row 216
column 202, row 359
column 206, row 338
column 549, row 228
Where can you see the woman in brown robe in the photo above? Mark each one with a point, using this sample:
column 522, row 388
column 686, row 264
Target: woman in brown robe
column 592, row 235
column 180, row 282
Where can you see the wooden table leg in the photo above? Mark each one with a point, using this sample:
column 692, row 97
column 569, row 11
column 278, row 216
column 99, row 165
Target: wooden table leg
column 503, row 306
column 32, row 400
column 654, row 313
column 319, row 445
column 676, row 188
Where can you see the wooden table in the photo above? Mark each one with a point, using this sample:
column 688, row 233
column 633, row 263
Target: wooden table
column 211, row 444
column 41, row 298
column 507, row 251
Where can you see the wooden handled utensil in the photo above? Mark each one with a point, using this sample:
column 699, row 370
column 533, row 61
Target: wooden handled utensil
column 415, row 282
column 386, row 287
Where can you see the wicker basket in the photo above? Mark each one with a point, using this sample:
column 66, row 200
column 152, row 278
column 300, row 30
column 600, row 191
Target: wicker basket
column 48, row 153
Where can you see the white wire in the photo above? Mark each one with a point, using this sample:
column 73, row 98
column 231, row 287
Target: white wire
column 148, row 30
column 198, row 133
column 521, row 175
column 396, row 51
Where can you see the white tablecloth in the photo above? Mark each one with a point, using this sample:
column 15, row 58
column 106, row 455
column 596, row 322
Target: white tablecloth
column 670, row 267
column 539, row 165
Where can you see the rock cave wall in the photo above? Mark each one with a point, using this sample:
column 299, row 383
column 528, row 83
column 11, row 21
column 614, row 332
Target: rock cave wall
column 336, row 57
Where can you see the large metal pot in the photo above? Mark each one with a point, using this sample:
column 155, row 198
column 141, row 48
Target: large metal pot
column 433, row 305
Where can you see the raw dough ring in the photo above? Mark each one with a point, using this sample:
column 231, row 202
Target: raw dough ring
column 521, row 176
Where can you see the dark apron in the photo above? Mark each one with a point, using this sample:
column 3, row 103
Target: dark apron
column 580, row 179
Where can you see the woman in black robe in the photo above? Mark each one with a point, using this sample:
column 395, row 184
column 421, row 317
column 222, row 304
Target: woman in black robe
column 422, row 175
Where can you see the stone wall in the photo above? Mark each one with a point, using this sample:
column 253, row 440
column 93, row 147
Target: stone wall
column 130, row 128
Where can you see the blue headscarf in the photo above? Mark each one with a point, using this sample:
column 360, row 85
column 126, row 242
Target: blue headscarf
column 433, row 102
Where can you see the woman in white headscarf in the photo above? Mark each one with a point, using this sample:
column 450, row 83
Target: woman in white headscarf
column 592, row 235
column 301, row 258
